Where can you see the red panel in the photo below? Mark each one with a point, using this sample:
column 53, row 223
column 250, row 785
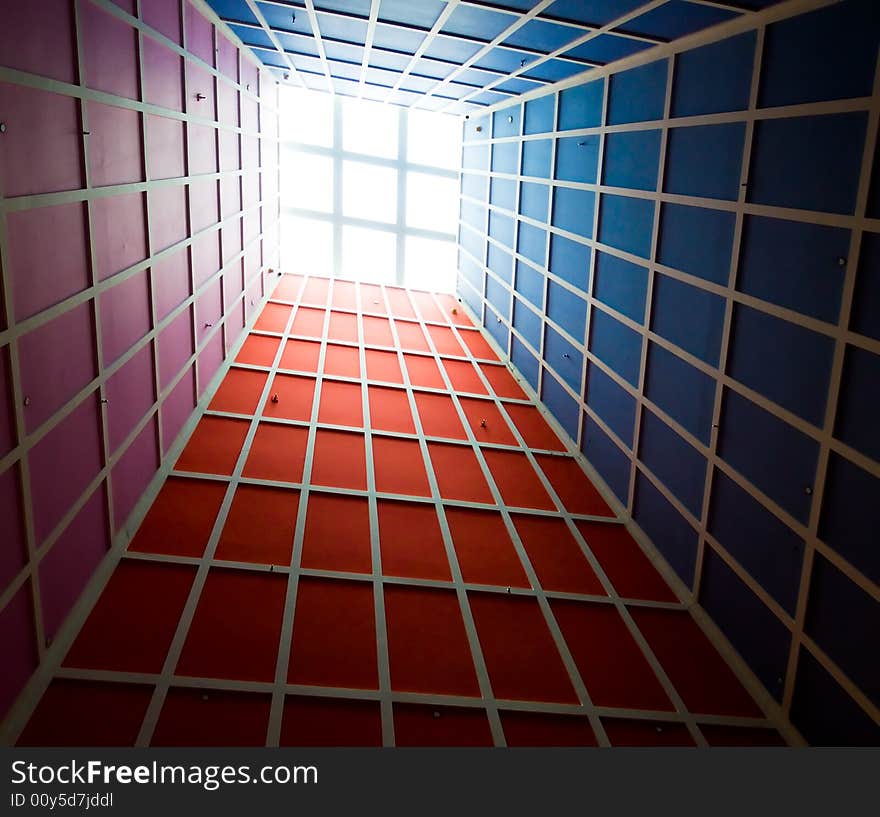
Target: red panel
column 340, row 460
column 452, row 309
column 624, row 732
column 428, row 648
column 259, row 527
column 239, row 392
column 572, row 486
column 423, row 372
column 295, row 397
column 342, row 361
column 439, row 416
column 444, row 341
column 477, row 344
column 308, row 322
column 273, row 318
column 556, row 556
column 165, row 150
column 486, row 422
column 533, row 729
column 277, row 453
column 485, row 553
column 411, row 337
column 242, row 611
column 464, row 377
column 316, row 291
column 334, row 635
column 517, row 480
column 401, row 307
column 614, row 670
column 520, row 655
column 371, row 299
column 420, row 725
column 458, row 473
column 330, row 722
column 344, row 296
column 163, row 75
column 258, row 350
column 214, row 446
column 288, row 288
column 300, row 356
column 630, row 570
column 429, row 309
column 741, row 736
column 131, row 627
column 390, row 411
column 383, row 366
column 411, row 541
column 533, row 427
column 343, row 326
column 341, row 404
column 377, row 332
column 181, row 518
column 702, row 678
column 110, row 56
column 399, row 467
column 52, row 53
column 502, row 381
column 212, row 717
column 337, row 535
column 87, row 713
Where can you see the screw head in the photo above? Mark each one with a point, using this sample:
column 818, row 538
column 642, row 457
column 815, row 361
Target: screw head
column 2, row 127
column 436, row 714
column 509, row 119
column 27, row 401
column 808, row 490
column 841, row 261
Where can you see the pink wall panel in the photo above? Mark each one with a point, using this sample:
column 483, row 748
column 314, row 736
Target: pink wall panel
column 17, row 638
column 227, row 103
column 252, row 262
column 119, row 232
column 42, row 148
column 56, row 361
column 163, row 75
column 232, row 284
column 230, row 195
column 7, row 417
column 206, row 257
column 250, row 152
column 250, row 185
column 200, row 82
column 177, row 407
column 234, row 323
column 130, row 394
column 252, row 299
column 63, row 463
column 249, row 114
column 68, row 566
column 209, row 308
column 167, row 216
column 251, row 226
column 166, row 154
column 231, row 240
column 48, row 256
column 209, row 361
column 199, row 35
column 109, row 48
column 203, row 204
column 115, row 151
column 13, row 550
column 126, row 5
column 202, row 148
column 250, row 77
column 171, row 282
column 229, row 158
column 227, row 57
column 164, row 16
column 175, row 347
column 131, row 475
column 52, row 54
column 125, row 315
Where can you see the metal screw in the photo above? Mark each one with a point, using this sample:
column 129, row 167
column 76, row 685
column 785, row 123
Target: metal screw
column 509, row 119
column 508, row 589
column 87, row 133
column 208, row 325
column 479, row 128
column 499, row 320
column 436, row 714
column 841, row 261
column 292, row 18
column 566, row 354
column 27, row 401
column 104, row 400
column 454, row 311
column 581, row 144
column 200, row 97
column 808, row 490
column 482, row 423
column 204, row 696
column 2, row 127
column 522, row 63
column 274, row 398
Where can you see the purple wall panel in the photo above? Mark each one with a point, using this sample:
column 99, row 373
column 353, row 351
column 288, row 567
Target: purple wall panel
column 114, row 145
column 167, row 216
column 68, row 566
column 250, row 185
column 232, row 284
column 231, row 240
column 206, row 257
column 131, row 475
column 177, row 407
column 200, row 82
column 230, row 195
column 42, row 147
column 109, row 48
column 199, row 35
column 171, row 282
column 229, row 158
column 165, row 149
column 251, row 226
column 52, row 54
column 19, row 651
column 209, row 308
column 48, row 256
column 202, row 149
column 125, row 315
column 227, row 103
column 249, row 114
column 13, row 550
column 56, row 360
column 119, row 232
column 209, row 361
column 130, row 395
column 163, row 75
column 164, row 16
column 7, row 416
column 175, row 347
column 252, row 260
column 63, row 463
column 126, row 5
column 252, row 299
column 234, row 323
column 227, row 57
column 203, row 204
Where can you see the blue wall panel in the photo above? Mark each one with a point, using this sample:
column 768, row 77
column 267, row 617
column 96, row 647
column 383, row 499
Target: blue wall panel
column 632, row 159
column 627, row 224
column 577, row 159
column 500, row 262
column 561, row 404
column 564, row 358
column 866, row 298
column 705, row 161
column 497, row 328
column 537, row 158
column 528, row 324
column 473, row 186
column 505, row 157
column 473, row 214
column 621, row 285
column 539, row 114
column 505, row 122
column 581, row 106
column 638, row 95
column 689, row 317
column 532, row 242
column 534, row 200
column 475, row 157
column 530, row 284
column 567, row 310
column 856, row 422
column 503, row 193
column 472, row 241
column 615, row 405
column 570, row 260
column 607, row 458
column 696, row 241
column 498, row 296
column 501, row 228
column 573, row 210
column 525, row 361
column 616, row 345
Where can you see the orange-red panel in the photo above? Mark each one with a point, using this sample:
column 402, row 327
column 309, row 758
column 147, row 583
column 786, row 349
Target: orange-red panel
column 371, row 299
column 273, row 318
column 423, row 372
column 486, row 421
column 411, row 336
column 340, row 460
column 458, row 473
column 502, row 381
column 534, row 428
column 453, row 309
column 236, row 627
column 439, row 416
column 315, row 291
column 308, row 322
column 427, row 306
column 516, row 479
column 718, row 735
column 344, row 295
column 556, row 555
column 337, row 535
column 626, row 732
column 477, row 344
column 341, row 404
column 239, row 392
column 295, row 397
column 521, row 657
column 288, row 288
column 212, row 717
column 214, row 446
column 390, row 411
column 311, row 721
column 421, row 725
column 343, row 326
column 342, row 361
column 401, row 307
column 277, row 453
column 545, row 729
column 572, row 485
column 485, row 552
column 383, row 366
column 399, row 467
column 181, row 518
column 377, row 332
column 258, row 350
column 411, row 541
column 464, row 377
column 428, row 649
column 444, row 341
column 334, row 635
column 260, row 526
column 300, row 355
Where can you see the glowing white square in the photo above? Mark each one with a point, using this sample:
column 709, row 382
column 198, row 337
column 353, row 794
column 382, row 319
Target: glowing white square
column 305, row 116
column 370, row 127
column 369, row 255
column 369, row 191
column 306, row 181
column 306, row 246
column 430, row 264
column 431, row 202
column 434, row 139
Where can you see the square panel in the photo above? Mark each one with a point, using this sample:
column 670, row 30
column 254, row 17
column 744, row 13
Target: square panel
column 541, row 729
column 485, row 552
column 212, row 717
column 214, row 446
column 342, row 361
column 421, row 725
column 341, row 404
column 458, row 473
column 340, row 460
column 390, row 411
column 295, row 396
column 399, row 468
column 337, row 534
column 411, row 541
column 259, row 526
column 277, row 453
column 330, row 722
column 572, row 486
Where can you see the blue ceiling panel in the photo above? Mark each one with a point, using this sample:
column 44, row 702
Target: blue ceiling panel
column 539, row 35
column 434, row 68
column 305, row 63
column 252, row 36
column 677, row 19
column 344, row 51
column 234, row 10
column 555, row 70
column 423, row 13
column 298, row 43
column 518, row 86
column 361, row 7
column 379, row 76
column 388, row 59
column 504, row 59
column 282, row 18
column 342, row 28
column 481, row 24
column 607, row 48
column 348, row 70
column 416, row 83
column 397, row 39
column 592, row 12
column 450, row 48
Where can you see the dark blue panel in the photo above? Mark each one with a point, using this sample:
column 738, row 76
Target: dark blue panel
column 616, row 345
column 683, row 392
column 503, row 193
column 473, row 186
column 782, row 361
column 500, row 262
column 573, row 210
column 794, row 264
column 537, row 155
column 423, row 14
column 565, row 360
column 526, row 362
column 570, row 260
column 612, row 403
column 397, row 39
column 714, row 78
column 477, row 23
column 842, row 43
column 505, row 157
column 851, row 515
column 234, row 10
column 581, row 106
column 561, row 404
column 577, row 159
column 475, row 157
column 554, row 70
column 705, row 161
column 632, row 159
column 691, row 318
column 769, row 551
column 497, row 328
column 866, row 299
column 697, row 241
column 622, row 285
column 856, row 422
column 607, row 48
column 527, row 323
column 592, row 12
column 532, row 243
column 473, row 242
column 534, row 200
column 471, row 76
column 759, row 637
column 501, row 228
column 612, row 464
column 844, row 621
column 470, row 296
column 539, row 114
column 808, row 162
column 627, row 224
column 473, row 214
column 824, row 713
column 503, row 59
column 530, row 284
column 498, row 296
column 567, row 310
column 676, row 19
column 252, row 36
column 670, row 532
column 774, row 456
column 540, row 35
column 639, row 94
column 506, row 121
column 517, row 85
